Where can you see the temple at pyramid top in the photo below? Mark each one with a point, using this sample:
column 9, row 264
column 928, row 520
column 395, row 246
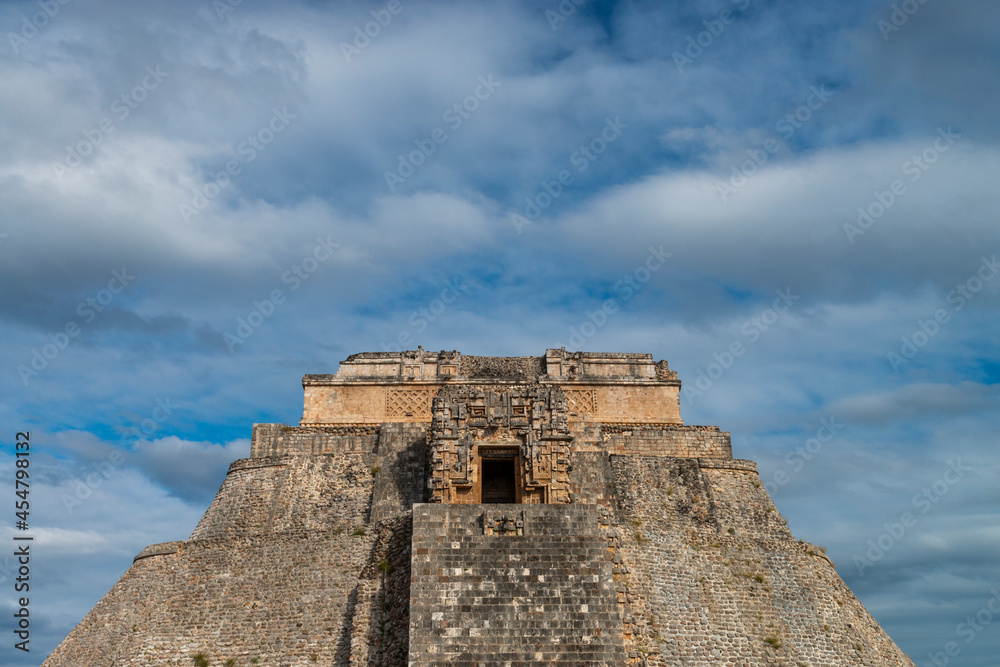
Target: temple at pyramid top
column 499, row 429
column 387, row 387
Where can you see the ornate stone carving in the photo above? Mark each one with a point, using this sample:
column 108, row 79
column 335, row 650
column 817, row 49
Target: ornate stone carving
column 470, row 421
column 582, row 402
column 496, row 522
column 409, row 402
column 449, row 363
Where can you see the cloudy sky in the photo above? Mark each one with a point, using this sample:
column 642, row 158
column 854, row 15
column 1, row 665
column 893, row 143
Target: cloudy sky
column 795, row 203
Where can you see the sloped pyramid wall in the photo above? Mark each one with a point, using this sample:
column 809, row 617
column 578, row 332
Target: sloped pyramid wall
column 305, row 559
column 716, row 577
column 287, row 567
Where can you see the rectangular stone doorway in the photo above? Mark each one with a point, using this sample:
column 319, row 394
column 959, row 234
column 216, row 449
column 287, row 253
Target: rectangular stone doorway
column 498, row 482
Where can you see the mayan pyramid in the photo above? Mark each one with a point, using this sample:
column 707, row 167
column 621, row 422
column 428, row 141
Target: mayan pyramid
column 433, row 508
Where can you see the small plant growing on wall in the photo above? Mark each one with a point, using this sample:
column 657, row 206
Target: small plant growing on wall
column 200, row 660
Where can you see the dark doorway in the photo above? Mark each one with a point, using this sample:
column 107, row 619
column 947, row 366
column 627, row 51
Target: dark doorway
column 498, row 481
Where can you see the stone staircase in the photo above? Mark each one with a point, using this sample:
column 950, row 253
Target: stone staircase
column 512, row 585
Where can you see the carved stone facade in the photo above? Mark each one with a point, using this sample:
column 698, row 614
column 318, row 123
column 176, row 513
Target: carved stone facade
column 526, row 425
column 581, row 402
column 409, row 402
column 381, row 387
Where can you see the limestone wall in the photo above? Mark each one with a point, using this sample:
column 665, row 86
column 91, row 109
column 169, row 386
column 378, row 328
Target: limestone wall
column 667, row 440
column 716, row 577
column 280, row 601
column 620, row 365
column 522, row 369
column 290, row 494
column 394, row 402
column 358, row 404
column 637, row 403
column 400, row 472
column 376, row 387
column 285, row 568
column 591, row 479
column 278, row 439
column 653, row 439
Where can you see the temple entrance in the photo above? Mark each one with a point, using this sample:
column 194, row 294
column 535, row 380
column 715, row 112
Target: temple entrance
column 498, row 482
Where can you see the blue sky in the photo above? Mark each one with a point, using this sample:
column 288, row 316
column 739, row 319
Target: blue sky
column 822, row 175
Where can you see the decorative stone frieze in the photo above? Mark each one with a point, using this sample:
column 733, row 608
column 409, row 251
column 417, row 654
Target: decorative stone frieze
column 527, row 424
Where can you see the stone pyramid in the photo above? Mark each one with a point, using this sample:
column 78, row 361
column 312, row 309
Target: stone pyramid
column 439, row 509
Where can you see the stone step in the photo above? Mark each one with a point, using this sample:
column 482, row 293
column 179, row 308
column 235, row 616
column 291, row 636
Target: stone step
column 546, row 596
